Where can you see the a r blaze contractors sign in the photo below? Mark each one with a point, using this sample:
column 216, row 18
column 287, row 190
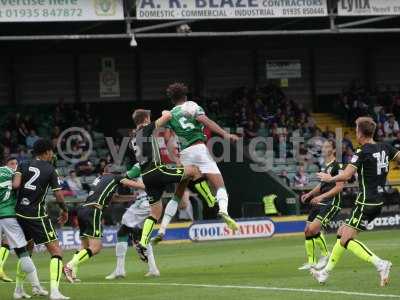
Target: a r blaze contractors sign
column 254, row 228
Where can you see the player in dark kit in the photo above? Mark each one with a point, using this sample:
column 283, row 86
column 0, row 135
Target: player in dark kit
column 38, row 175
column 325, row 201
column 90, row 214
column 371, row 162
column 156, row 175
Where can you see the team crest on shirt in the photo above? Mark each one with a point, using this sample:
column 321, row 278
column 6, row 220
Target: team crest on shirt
column 354, row 159
column 25, row 201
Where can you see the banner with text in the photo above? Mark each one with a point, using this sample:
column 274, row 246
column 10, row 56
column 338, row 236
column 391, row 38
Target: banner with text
column 388, row 219
column 229, row 9
column 284, row 68
column 109, row 79
column 368, row 7
column 60, row 10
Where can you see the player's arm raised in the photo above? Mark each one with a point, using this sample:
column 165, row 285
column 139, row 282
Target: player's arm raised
column 164, row 119
column 133, row 173
column 214, row 127
column 171, row 146
column 133, row 184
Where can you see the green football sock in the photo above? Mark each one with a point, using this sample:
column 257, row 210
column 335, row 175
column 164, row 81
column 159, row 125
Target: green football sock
column 361, row 251
column 81, row 257
column 56, row 268
column 321, row 243
column 20, row 276
column 310, row 250
column 336, row 254
column 4, row 252
column 147, row 230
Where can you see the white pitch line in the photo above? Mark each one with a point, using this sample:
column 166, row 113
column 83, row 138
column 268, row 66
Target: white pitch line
column 246, row 287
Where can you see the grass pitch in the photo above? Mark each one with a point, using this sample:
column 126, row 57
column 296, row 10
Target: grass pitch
column 247, row 269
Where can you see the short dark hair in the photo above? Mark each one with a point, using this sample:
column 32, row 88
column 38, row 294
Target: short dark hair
column 366, row 126
column 140, row 115
column 177, row 91
column 41, row 146
column 10, row 158
column 111, row 168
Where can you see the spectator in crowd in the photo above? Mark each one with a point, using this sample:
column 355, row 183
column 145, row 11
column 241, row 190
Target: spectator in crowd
column 301, row 178
column 381, row 117
column 346, row 141
column 100, row 166
column 315, row 143
column 347, row 155
column 8, row 141
column 250, row 130
column 75, row 184
column 396, row 141
column 22, row 155
column 380, row 132
column 31, row 139
column 22, row 133
column 262, row 130
column 84, row 168
column 396, row 107
column 391, row 126
column 55, row 134
column 6, row 152
column 303, row 155
column 284, row 177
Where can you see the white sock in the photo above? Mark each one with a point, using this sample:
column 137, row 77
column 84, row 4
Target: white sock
column 170, row 211
column 33, row 278
column 29, row 268
column 222, row 198
column 376, row 261
column 120, row 252
column 151, row 260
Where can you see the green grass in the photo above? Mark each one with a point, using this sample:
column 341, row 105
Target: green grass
column 261, row 263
